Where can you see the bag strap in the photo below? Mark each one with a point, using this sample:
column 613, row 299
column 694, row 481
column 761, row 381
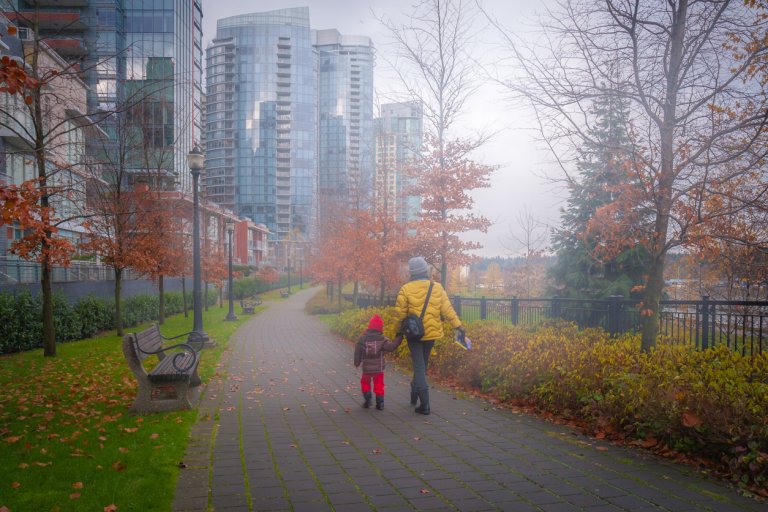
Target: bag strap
column 426, row 301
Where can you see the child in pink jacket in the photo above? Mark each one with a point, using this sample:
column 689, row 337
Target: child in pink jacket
column 369, row 351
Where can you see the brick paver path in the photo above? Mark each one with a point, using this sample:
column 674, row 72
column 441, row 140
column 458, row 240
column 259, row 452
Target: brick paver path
column 285, row 431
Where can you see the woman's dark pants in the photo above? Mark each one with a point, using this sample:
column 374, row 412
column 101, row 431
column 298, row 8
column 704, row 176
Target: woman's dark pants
column 420, row 351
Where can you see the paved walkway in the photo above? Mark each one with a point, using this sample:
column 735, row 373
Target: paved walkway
column 285, row 431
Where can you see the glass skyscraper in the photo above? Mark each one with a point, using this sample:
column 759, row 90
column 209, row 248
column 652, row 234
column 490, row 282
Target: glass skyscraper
column 164, row 70
column 261, row 120
column 124, row 47
column 345, row 159
column 399, row 134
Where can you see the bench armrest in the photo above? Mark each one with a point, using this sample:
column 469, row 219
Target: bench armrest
column 176, row 356
column 167, row 338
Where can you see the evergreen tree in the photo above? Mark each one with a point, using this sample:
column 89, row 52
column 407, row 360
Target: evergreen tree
column 578, row 272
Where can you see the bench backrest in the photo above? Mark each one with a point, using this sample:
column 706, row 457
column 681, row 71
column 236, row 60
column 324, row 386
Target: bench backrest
column 149, row 340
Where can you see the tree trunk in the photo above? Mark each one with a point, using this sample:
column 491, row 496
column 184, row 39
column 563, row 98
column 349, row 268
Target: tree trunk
column 655, row 283
column 381, row 289
column 49, row 331
column 118, row 303
column 205, row 297
column 649, row 315
column 339, row 294
column 355, row 293
column 161, row 312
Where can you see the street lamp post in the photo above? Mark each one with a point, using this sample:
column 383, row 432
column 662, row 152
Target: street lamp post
column 289, row 275
column 231, row 315
column 195, row 160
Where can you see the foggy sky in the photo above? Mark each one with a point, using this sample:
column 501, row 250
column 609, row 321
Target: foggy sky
column 522, row 180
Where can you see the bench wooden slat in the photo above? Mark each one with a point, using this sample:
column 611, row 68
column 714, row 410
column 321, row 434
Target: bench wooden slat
column 165, row 371
column 148, row 341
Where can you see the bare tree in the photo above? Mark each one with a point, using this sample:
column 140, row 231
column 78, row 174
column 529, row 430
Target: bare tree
column 530, row 239
column 686, row 84
column 435, row 65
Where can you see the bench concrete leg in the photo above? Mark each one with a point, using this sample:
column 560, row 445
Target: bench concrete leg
column 194, row 379
column 145, row 403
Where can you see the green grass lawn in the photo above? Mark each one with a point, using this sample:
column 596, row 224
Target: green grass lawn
column 67, row 440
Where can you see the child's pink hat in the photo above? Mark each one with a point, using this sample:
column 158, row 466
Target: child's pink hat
column 376, row 323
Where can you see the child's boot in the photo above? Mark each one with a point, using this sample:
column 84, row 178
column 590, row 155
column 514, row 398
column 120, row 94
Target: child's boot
column 380, row 402
column 367, row 396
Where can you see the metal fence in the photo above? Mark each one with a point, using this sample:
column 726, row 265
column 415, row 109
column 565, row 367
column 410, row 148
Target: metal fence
column 740, row 325
column 20, row 272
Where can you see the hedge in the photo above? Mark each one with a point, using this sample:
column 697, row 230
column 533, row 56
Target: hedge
column 21, row 326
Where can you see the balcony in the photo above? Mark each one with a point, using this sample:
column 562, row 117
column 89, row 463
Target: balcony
column 67, row 47
column 50, row 21
column 59, row 3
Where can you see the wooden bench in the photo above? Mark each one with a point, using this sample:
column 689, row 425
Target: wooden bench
column 167, row 386
column 284, row 294
column 249, row 305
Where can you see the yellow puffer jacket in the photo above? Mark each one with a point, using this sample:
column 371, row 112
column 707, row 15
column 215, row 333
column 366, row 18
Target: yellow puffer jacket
column 410, row 300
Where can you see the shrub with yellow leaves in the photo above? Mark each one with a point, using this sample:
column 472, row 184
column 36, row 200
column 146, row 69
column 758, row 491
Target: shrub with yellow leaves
column 708, row 403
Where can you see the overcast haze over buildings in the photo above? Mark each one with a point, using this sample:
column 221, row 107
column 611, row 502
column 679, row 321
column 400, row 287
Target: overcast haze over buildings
column 519, row 183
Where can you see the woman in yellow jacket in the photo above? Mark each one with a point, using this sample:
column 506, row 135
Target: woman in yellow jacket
column 410, row 300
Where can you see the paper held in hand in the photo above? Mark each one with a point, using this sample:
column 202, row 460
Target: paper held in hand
column 462, row 340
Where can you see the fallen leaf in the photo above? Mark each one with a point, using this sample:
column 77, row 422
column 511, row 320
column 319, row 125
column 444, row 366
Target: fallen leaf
column 601, row 448
column 131, row 430
column 600, row 435
column 122, row 449
column 691, row 419
column 12, row 439
column 182, row 465
column 376, row 450
column 286, row 408
column 119, row 465
column 425, row 491
column 23, row 465
column 74, row 495
column 110, row 508
column 4, row 509
column 16, row 485
column 77, row 485
column 417, row 438
column 154, row 436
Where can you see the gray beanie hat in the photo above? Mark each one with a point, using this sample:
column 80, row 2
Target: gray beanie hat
column 417, row 265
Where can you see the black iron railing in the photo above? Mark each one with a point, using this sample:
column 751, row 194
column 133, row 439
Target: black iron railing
column 740, row 325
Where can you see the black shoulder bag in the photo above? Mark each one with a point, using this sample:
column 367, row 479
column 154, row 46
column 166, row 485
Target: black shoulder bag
column 413, row 326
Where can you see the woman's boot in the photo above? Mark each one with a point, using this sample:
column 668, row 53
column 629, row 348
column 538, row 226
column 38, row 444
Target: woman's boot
column 424, row 398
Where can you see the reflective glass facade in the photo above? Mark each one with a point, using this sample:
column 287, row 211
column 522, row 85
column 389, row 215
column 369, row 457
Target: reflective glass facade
column 345, row 156
column 124, row 45
column 261, row 120
column 164, row 66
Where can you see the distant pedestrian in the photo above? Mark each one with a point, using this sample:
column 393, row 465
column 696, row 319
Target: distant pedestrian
column 369, row 351
column 411, row 300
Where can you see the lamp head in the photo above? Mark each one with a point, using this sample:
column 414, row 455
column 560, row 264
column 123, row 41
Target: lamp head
column 230, row 226
column 196, row 159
